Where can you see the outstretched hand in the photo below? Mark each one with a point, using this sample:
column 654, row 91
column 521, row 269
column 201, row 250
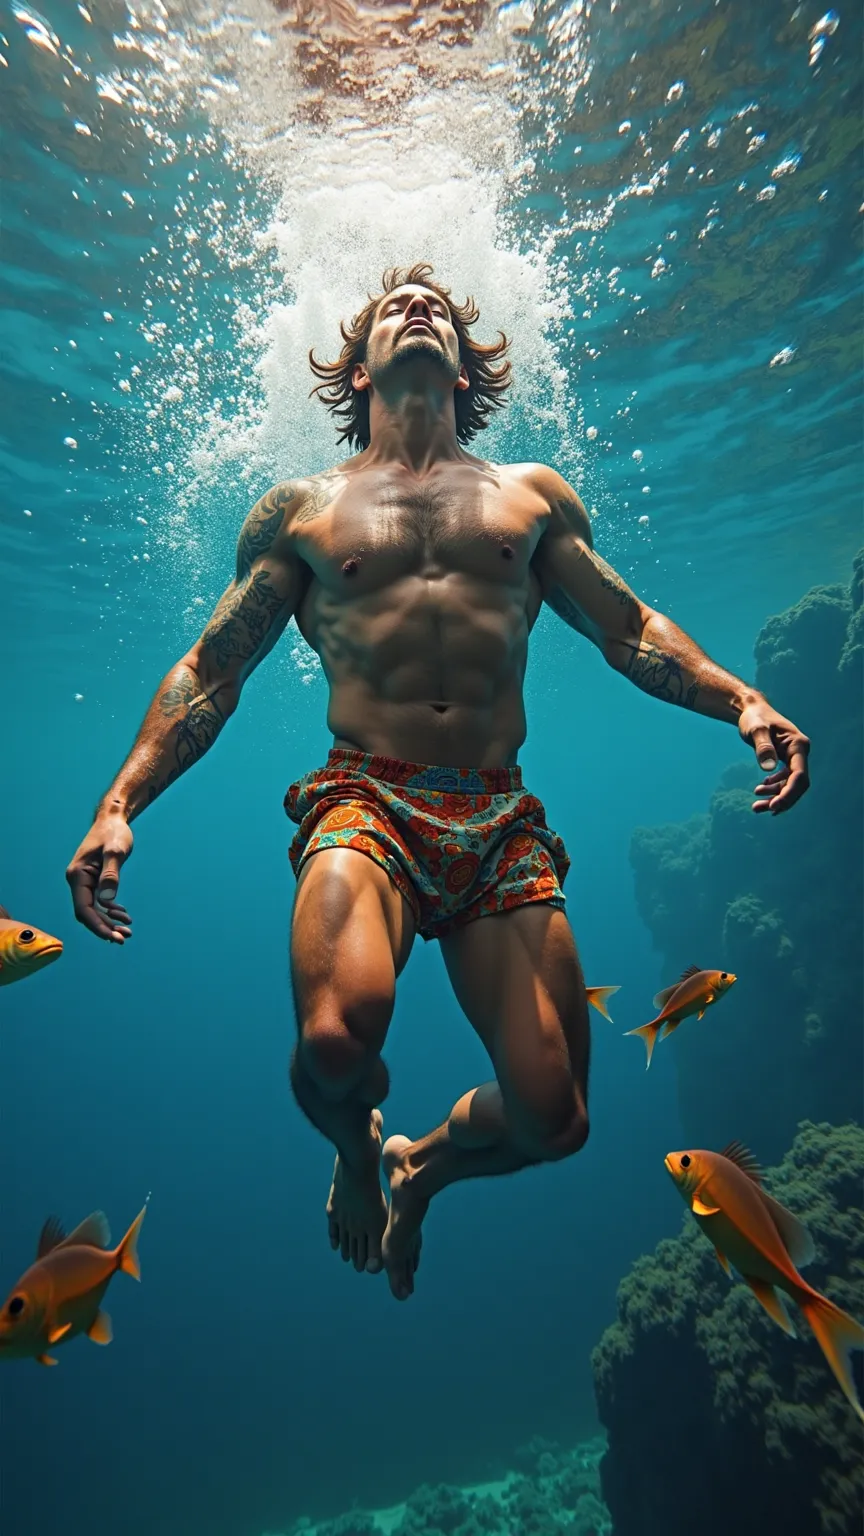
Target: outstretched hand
column 782, row 751
column 94, row 877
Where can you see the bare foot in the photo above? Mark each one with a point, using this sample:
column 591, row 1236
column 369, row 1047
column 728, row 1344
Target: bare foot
column 402, row 1239
column 356, row 1208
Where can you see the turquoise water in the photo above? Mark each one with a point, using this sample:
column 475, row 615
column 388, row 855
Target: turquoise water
column 662, row 209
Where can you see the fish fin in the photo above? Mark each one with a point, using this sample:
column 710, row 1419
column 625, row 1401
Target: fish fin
column 59, row 1332
column 662, row 998
column 701, row 1013
column 724, row 1262
column 51, row 1236
column 669, row 1028
column 743, row 1158
column 836, row 1334
column 649, row 1033
column 127, row 1253
column 93, row 1232
column 699, row 1208
column 45, row 1360
column 100, row 1330
column 598, row 997
column 767, row 1297
column 692, row 970
column 4, row 913
column 799, row 1243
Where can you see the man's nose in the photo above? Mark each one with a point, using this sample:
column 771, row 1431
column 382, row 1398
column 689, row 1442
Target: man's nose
column 418, row 308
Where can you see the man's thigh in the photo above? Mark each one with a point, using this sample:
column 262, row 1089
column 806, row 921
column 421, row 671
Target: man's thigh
column 518, row 979
column 351, row 935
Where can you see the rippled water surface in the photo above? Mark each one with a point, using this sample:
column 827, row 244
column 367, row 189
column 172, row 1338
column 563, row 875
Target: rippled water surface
column 659, row 203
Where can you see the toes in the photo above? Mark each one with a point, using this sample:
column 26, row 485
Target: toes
column 345, row 1245
column 374, row 1263
column 333, row 1231
column 359, row 1252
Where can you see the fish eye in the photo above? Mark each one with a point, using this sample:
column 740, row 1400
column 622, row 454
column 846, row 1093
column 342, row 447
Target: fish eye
column 724, row 975
column 16, row 1306
column 26, row 936
column 685, row 1161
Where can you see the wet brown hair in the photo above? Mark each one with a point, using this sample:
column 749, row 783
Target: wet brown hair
column 474, row 406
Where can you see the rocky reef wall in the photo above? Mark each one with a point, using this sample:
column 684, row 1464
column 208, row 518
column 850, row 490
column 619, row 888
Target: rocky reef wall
column 777, row 900
column 716, row 1421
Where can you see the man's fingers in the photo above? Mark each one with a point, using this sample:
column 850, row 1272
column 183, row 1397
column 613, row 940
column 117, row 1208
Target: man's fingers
column 109, row 878
column 764, row 748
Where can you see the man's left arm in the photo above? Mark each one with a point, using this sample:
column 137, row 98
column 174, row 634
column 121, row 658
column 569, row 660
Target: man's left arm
column 654, row 653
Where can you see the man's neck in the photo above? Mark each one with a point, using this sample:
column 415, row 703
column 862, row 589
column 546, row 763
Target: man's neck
column 417, row 431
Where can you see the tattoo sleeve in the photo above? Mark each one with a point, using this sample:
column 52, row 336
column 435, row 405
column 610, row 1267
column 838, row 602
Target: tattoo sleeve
column 199, row 694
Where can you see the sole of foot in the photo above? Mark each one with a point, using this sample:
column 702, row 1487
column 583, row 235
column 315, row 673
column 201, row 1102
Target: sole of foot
column 402, row 1239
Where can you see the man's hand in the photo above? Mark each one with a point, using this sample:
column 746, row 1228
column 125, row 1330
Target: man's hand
column 94, row 876
column 776, row 740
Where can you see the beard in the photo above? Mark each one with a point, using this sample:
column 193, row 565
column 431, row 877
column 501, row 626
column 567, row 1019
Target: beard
column 411, row 346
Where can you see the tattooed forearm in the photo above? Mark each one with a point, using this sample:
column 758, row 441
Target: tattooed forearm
column 661, row 675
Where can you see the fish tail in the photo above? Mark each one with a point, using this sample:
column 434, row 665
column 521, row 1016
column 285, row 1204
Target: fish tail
column 649, row 1033
column 836, row 1334
column 127, row 1253
column 598, row 998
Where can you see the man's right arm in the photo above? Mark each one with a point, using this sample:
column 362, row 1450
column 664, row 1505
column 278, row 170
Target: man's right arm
column 191, row 705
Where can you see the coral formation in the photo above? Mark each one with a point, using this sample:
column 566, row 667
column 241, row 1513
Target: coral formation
column 776, row 900
column 716, row 1421
column 552, row 1492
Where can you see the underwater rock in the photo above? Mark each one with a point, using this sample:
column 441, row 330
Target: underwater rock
column 554, row 1492
column 776, row 900
column 717, row 1421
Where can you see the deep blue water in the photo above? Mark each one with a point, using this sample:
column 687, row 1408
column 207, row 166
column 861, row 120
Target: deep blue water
column 252, row 1377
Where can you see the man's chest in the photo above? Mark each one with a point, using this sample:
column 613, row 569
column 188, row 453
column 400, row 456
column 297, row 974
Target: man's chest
column 374, row 535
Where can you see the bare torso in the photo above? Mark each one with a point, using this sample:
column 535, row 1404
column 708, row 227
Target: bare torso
column 419, row 600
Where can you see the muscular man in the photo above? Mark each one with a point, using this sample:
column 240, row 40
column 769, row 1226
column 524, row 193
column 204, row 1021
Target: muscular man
column 416, row 571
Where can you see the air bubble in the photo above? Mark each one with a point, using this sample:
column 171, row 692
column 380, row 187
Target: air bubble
column 675, row 91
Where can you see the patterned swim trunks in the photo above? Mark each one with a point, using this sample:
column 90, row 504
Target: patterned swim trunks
column 457, row 842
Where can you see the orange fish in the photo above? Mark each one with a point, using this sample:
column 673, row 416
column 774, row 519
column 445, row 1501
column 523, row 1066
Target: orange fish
column 24, row 950
column 765, row 1242
column 598, row 998
column 695, row 992
column 60, row 1295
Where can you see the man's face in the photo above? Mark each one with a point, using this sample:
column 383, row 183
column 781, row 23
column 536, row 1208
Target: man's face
column 412, row 329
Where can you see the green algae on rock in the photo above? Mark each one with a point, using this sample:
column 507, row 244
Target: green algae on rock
column 716, row 1421
column 776, row 900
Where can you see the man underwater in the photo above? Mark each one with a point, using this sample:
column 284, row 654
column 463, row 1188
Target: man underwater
column 416, row 572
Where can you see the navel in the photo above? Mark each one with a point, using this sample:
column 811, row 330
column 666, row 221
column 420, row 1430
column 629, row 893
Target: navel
column 352, row 566
column 507, row 551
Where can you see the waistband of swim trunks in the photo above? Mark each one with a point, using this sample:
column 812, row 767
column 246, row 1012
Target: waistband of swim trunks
column 391, row 770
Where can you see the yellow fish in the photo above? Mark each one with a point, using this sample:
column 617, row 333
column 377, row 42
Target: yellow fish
column 695, row 992
column 24, row 950
column 765, row 1242
column 61, row 1294
column 598, row 998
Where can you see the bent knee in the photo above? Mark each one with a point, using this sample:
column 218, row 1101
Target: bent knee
column 337, row 1047
column 550, row 1138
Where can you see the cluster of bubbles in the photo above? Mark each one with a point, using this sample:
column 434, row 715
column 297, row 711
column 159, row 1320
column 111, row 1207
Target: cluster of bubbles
column 305, row 141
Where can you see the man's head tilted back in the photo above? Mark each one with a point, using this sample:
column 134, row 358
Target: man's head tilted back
column 413, row 333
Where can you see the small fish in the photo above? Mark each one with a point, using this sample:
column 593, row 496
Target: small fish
column 598, row 998
column 24, row 950
column 695, row 992
column 765, row 1242
column 61, row 1294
